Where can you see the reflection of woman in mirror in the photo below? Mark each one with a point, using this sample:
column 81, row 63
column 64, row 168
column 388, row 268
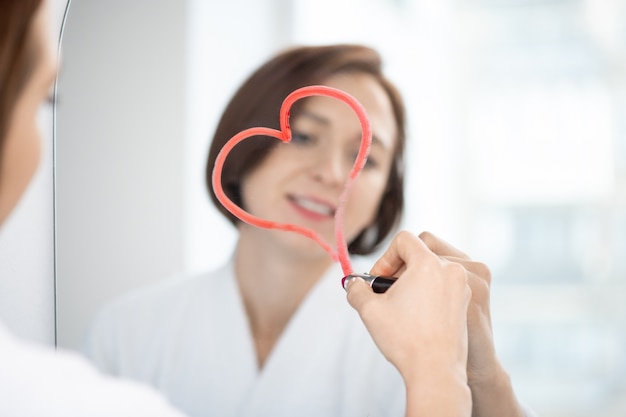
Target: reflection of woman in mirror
column 270, row 333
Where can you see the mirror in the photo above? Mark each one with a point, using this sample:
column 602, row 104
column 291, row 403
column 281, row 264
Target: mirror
column 126, row 92
column 515, row 108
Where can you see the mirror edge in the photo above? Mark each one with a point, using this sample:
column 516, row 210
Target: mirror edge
column 54, row 183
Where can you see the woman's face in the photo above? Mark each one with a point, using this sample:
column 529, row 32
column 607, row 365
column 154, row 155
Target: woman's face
column 301, row 182
column 20, row 156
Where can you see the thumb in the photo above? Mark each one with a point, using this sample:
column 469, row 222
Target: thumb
column 358, row 293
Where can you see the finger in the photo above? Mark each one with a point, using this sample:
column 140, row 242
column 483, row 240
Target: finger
column 468, row 296
column 440, row 246
column 476, row 269
column 404, row 247
column 358, row 293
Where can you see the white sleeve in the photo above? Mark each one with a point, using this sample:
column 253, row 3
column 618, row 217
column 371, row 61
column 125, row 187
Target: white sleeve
column 38, row 381
column 528, row 412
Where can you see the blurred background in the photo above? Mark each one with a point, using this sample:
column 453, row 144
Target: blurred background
column 517, row 155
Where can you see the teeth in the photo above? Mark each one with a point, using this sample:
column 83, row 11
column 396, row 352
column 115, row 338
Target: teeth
column 314, row 206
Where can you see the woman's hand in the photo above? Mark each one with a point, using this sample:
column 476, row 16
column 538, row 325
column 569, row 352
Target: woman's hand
column 419, row 324
column 492, row 393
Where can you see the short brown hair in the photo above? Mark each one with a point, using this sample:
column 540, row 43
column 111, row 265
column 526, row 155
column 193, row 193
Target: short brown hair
column 18, row 56
column 257, row 103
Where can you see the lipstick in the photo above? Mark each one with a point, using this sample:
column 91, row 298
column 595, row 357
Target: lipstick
column 379, row 283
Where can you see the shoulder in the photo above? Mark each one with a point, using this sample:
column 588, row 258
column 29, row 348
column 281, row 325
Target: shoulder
column 168, row 294
column 158, row 308
column 131, row 333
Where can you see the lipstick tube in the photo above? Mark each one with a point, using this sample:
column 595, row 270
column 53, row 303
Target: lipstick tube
column 379, row 283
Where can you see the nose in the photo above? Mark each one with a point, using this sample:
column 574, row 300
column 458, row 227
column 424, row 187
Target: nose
column 330, row 167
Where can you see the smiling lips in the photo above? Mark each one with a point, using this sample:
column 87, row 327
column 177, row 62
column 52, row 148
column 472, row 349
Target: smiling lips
column 312, row 208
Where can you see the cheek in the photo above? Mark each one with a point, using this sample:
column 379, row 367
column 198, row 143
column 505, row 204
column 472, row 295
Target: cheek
column 364, row 200
column 20, row 159
column 23, row 147
column 256, row 187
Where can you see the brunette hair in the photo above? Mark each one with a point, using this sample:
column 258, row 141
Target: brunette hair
column 257, row 103
column 18, row 56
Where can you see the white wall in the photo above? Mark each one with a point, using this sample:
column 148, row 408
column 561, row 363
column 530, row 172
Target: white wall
column 119, row 153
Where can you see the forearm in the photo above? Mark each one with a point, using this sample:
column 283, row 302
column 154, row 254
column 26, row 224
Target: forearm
column 493, row 395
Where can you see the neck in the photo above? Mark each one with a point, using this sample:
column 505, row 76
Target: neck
column 273, row 283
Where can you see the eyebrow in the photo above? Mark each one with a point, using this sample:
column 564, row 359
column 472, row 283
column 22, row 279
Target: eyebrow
column 325, row 122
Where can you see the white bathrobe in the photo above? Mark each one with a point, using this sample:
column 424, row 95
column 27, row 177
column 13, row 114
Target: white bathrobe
column 190, row 339
column 37, row 381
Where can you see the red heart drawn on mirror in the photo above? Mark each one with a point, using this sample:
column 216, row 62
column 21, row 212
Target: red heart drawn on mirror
column 284, row 134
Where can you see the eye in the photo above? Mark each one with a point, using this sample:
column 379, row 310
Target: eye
column 47, row 102
column 301, row 138
column 45, row 107
column 370, row 162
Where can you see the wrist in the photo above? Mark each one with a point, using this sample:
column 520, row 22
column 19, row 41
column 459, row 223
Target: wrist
column 442, row 366
column 443, row 393
column 492, row 393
